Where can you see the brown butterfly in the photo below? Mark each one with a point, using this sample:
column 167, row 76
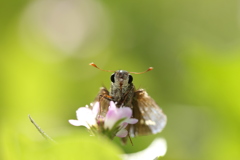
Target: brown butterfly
column 151, row 119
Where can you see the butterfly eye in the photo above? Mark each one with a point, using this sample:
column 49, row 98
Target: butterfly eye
column 130, row 79
column 112, row 77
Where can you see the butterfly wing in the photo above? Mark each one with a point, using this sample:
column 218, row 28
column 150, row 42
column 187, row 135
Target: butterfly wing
column 151, row 119
column 103, row 98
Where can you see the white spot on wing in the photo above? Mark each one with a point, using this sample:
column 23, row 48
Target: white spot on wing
column 150, row 122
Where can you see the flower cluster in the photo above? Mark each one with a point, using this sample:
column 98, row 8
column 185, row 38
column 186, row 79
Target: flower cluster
column 113, row 124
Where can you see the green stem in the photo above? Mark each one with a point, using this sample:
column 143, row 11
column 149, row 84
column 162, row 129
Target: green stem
column 40, row 130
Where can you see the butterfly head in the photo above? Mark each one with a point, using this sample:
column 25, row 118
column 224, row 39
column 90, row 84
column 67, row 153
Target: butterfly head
column 121, row 78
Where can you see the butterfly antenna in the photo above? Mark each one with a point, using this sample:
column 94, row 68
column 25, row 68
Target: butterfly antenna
column 94, row 65
column 149, row 69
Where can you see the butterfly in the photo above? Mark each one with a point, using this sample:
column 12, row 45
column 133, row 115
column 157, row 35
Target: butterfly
column 151, row 119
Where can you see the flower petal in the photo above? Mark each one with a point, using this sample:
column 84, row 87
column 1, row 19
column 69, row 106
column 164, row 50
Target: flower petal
column 125, row 112
column 95, row 109
column 85, row 117
column 112, row 106
column 110, row 119
column 114, row 114
column 132, row 120
column 122, row 133
column 83, row 113
column 78, row 123
column 123, row 125
column 74, row 122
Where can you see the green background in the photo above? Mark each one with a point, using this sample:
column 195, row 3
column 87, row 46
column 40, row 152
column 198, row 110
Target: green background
column 45, row 49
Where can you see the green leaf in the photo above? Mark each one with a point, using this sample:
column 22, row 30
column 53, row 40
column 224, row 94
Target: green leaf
column 78, row 146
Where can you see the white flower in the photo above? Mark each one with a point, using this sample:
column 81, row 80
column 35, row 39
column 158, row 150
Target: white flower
column 86, row 117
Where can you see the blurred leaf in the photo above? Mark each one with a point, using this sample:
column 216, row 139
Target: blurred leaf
column 81, row 146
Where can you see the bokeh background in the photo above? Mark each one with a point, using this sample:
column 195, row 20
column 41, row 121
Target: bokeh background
column 45, row 49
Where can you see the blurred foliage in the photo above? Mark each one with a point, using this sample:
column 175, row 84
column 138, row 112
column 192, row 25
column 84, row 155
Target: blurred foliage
column 46, row 47
column 73, row 147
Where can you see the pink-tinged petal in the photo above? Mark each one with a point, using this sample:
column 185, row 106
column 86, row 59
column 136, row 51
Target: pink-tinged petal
column 128, row 121
column 112, row 106
column 112, row 116
column 122, row 133
column 125, row 112
column 123, row 125
column 132, row 120
column 110, row 119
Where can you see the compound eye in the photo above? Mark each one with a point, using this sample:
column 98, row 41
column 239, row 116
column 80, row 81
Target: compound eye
column 130, row 79
column 112, row 77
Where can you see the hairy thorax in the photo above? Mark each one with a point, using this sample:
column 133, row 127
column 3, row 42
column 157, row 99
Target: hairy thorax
column 122, row 95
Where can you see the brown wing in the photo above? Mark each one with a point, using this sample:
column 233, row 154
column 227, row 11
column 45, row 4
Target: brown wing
column 103, row 98
column 151, row 119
